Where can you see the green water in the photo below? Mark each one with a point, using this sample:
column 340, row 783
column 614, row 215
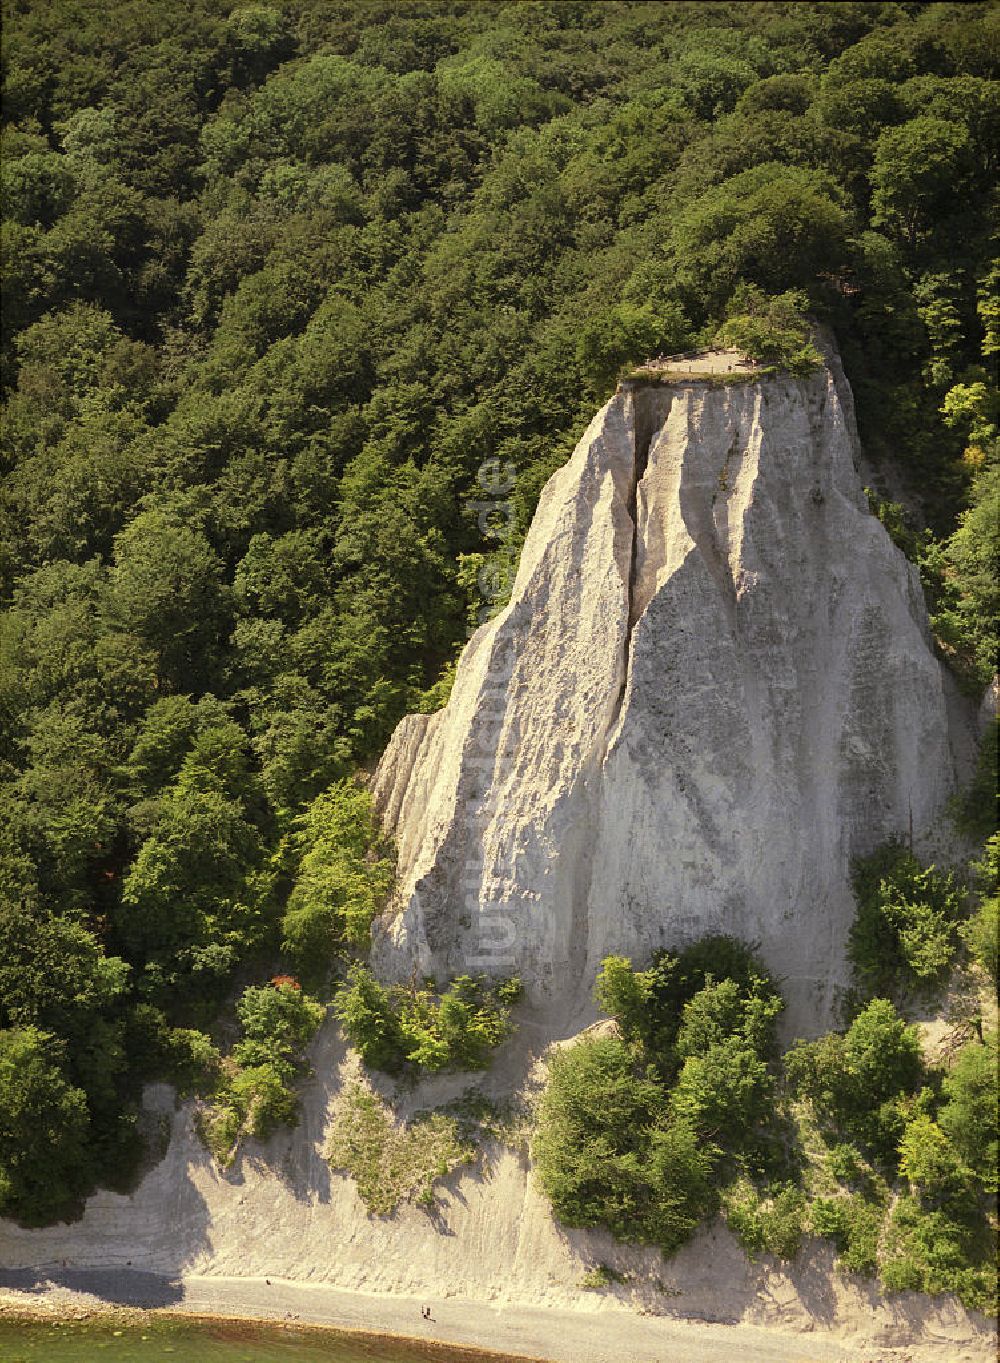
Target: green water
column 166, row 1341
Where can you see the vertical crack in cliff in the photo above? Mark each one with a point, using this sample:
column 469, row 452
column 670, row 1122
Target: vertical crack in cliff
column 650, row 408
column 644, row 428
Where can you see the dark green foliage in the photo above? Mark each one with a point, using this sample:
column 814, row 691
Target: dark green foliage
column 277, row 281
column 905, row 931
column 607, row 1155
column 860, row 1082
column 633, row 1129
column 975, row 810
column 44, row 1165
column 935, row 1250
column 650, row 1005
column 456, row 1029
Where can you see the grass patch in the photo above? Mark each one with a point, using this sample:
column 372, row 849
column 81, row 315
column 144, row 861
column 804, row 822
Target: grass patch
column 603, row 1275
column 391, row 1164
column 480, row 1119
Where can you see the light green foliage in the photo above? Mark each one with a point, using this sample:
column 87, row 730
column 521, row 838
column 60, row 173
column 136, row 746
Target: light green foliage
column 458, row 1028
column 905, row 931
column 390, row 1163
column 966, row 616
column 252, row 1102
column 769, row 1224
column 774, row 226
column 256, row 1091
column 345, row 872
column 773, row 330
column 596, row 1279
column 859, row 1082
column 932, row 1165
column 723, row 1012
column 968, row 1115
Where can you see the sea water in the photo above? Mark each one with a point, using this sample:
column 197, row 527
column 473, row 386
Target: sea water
column 160, row 1340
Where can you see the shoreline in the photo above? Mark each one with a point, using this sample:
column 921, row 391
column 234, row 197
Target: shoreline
column 504, row 1331
column 136, row 1317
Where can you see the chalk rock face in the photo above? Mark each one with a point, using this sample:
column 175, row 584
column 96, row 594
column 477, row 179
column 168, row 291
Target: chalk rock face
column 713, row 686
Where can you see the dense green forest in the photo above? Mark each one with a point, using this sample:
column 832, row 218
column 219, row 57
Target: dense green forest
column 278, row 279
column 689, row 1109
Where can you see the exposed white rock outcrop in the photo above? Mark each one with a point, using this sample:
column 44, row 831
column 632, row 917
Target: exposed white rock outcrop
column 714, row 684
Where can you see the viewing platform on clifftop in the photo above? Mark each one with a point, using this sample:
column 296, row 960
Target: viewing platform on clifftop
column 715, row 367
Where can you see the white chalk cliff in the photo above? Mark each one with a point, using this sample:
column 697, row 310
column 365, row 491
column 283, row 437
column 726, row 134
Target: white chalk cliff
column 713, row 686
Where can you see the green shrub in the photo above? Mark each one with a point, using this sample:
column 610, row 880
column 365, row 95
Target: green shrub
column 592, row 1144
column 933, row 1251
column 975, row 810
column 44, row 1124
column 682, row 1167
column 648, row 1005
column 859, row 1083
column 854, row 1224
column 345, row 873
column 456, row 1030
column 193, row 1063
column 263, row 1097
column 278, row 1019
column 607, row 1153
column 596, row 1279
column 255, row 1088
column 370, row 1020
column 773, row 330
column 391, row 1163
column 723, row 1093
column 968, row 1115
column 905, row 930
column 932, row 1165
column 772, row 1223
column 982, row 932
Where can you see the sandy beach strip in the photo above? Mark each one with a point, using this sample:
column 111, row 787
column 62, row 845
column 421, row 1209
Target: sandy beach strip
column 508, row 1331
